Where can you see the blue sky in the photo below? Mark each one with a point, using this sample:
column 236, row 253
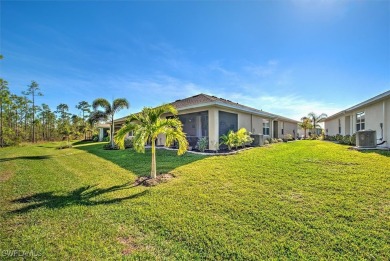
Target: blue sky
column 285, row 57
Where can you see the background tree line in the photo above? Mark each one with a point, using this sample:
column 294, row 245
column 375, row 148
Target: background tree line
column 22, row 120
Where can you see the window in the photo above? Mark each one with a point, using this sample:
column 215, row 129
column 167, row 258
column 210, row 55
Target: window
column 339, row 126
column 282, row 125
column 265, row 127
column 360, row 121
column 227, row 121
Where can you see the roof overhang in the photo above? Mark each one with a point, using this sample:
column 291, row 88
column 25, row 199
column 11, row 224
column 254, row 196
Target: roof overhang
column 228, row 106
column 378, row 98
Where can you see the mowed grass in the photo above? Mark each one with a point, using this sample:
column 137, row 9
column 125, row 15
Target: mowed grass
column 300, row 200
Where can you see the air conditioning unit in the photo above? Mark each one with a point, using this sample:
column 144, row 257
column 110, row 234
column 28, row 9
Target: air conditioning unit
column 258, row 140
column 366, row 139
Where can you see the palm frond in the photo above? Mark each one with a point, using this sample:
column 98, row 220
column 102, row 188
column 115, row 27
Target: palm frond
column 140, row 139
column 172, row 128
column 166, row 108
column 101, row 102
column 121, row 134
column 120, row 104
column 96, row 116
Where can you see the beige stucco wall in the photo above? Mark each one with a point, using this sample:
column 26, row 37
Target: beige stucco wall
column 333, row 126
column 244, row 121
column 257, row 125
column 386, row 128
column 375, row 114
column 213, row 128
column 288, row 128
column 251, row 123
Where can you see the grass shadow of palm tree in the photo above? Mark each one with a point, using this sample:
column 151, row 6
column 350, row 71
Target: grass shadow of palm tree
column 139, row 163
column 83, row 196
column 42, row 157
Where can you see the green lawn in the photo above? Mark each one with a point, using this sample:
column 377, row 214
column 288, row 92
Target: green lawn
column 299, row 200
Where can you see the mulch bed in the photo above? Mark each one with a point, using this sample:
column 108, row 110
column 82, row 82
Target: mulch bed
column 149, row 182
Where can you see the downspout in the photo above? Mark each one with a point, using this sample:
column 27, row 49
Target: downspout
column 251, row 123
column 384, row 122
column 273, row 126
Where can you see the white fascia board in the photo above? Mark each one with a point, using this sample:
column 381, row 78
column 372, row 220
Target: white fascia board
column 370, row 101
column 238, row 108
column 360, row 105
column 224, row 105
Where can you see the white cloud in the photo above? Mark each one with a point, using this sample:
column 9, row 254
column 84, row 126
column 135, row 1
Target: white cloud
column 263, row 70
column 291, row 106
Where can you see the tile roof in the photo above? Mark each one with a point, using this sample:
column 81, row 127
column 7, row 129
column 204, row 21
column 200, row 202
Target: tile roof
column 204, row 99
column 194, row 100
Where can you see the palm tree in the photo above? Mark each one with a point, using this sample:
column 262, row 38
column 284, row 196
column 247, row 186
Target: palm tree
column 315, row 119
column 305, row 124
column 84, row 107
column 109, row 111
column 146, row 127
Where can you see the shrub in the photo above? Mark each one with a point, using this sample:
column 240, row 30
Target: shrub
column 202, row 144
column 64, row 146
column 95, row 138
column 280, row 140
column 339, row 137
column 288, row 137
column 275, row 140
column 106, row 139
column 266, row 142
column 243, row 137
column 346, row 140
column 108, row 147
column 353, row 139
column 229, row 139
column 128, row 143
column 236, row 139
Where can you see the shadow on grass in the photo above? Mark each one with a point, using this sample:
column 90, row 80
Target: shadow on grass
column 139, row 163
column 42, row 157
column 82, row 196
column 82, row 142
column 380, row 152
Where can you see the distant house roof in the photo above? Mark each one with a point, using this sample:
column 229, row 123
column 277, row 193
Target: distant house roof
column 103, row 125
column 202, row 100
column 365, row 103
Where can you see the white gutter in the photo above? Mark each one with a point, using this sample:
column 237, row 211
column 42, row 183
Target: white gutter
column 362, row 104
column 224, row 105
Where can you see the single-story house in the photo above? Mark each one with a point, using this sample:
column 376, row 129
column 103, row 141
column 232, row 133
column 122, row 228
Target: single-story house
column 208, row 116
column 372, row 114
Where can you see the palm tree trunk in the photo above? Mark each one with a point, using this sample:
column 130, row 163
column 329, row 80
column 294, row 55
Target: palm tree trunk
column 314, row 126
column 112, row 132
column 1, row 122
column 153, row 173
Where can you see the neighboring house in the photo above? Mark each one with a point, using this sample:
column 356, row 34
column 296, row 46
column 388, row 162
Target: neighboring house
column 372, row 114
column 104, row 130
column 208, row 116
